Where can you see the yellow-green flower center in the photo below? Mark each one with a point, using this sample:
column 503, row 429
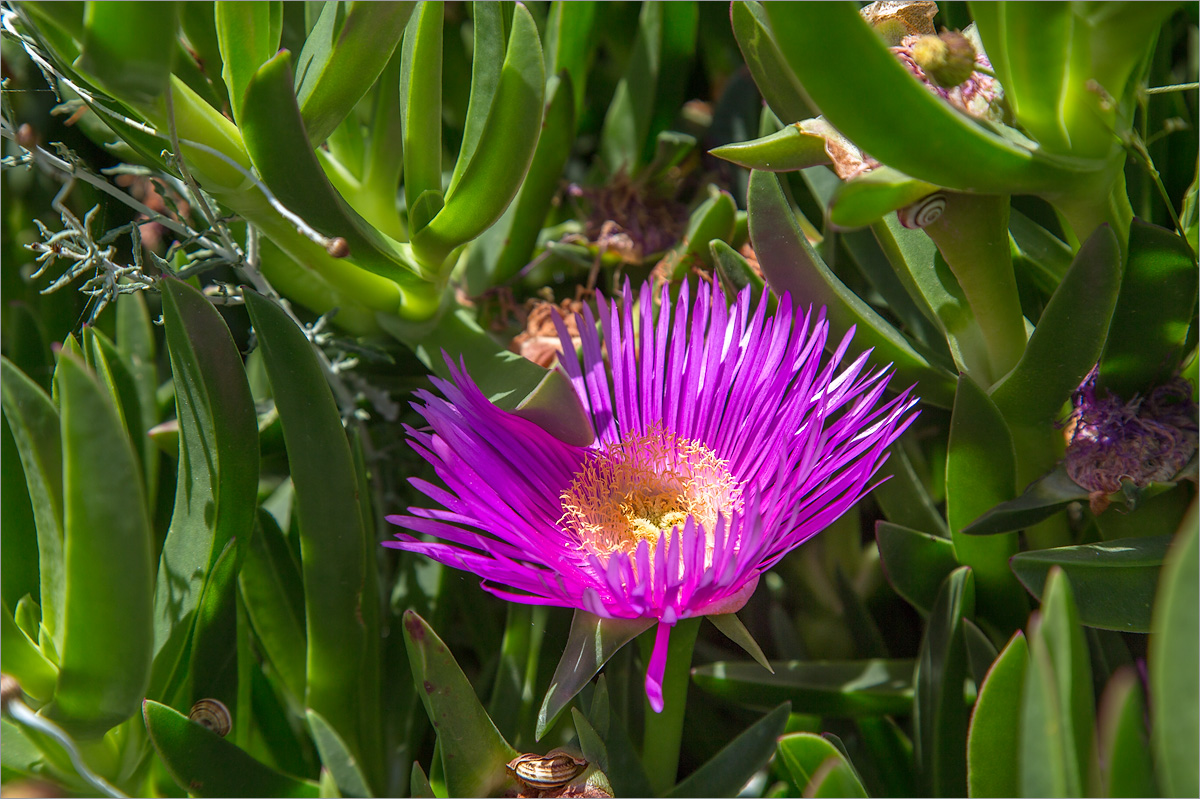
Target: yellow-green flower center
column 643, row 486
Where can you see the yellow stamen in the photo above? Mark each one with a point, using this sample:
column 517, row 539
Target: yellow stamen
column 643, row 486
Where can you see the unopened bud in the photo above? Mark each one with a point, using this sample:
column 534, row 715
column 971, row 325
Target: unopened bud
column 948, row 60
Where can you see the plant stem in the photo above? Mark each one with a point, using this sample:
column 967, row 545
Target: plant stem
column 664, row 731
column 972, row 236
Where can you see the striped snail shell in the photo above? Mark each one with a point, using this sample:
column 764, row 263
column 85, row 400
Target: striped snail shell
column 923, row 212
column 547, row 772
column 213, row 714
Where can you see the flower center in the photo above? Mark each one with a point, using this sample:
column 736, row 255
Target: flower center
column 643, row 486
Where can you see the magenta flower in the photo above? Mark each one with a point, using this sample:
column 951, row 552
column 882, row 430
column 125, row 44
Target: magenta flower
column 723, row 440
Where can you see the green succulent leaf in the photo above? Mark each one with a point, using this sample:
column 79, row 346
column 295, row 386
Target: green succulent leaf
column 1174, row 664
column 340, row 62
column 783, row 151
column 128, row 47
column 472, row 751
column 940, row 712
column 1068, row 339
column 1122, row 741
column 731, row 768
column 591, row 642
column 273, row 593
column 335, row 757
column 915, row 563
column 208, row 765
column 421, row 102
column 866, row 199
column 845, row 67
column 333, row 536
column 817, row 767
column 248, row 36
column 831, row 688
column 22, row 658
column 533, row 202
column 503, row 154
column 35, row 424
column 1114, row 582
column 1155, row 307
column 283, row 156
column 218, row 470
column 790, row 264
column 1057, row 709
column 775, row 79
column 108, row 627
column 981, row 471
column 992, row 740
column 1042, row 499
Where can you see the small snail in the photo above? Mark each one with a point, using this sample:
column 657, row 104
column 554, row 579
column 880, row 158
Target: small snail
column 546, row 772
column 923, row 212
column 212, row 714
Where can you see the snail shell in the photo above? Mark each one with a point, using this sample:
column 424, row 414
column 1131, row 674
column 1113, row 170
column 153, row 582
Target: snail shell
column 547, row 772
column 923, row 212
column 213, row 714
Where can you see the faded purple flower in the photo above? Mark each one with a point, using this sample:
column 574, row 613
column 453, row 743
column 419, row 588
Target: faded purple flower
column 1147, row 439
column 724, row 439
column 979, row 95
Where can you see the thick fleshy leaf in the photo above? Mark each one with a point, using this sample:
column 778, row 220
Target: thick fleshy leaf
column 1114, row 582
column 502, row 157
column 136, row 342
column 419, row 783
column 845, row 67
column 569, row 43
column 1156, row 305
column 790, row 264
column 731, row 768
column 22, row 659
column 128, row 47
column 1175, row 665
column 218, row 469
column 274, row 136
column 775, row 80
column 592, row 641
column 665, row 41
column 473, row 751
column 1127, row 766
column 818, row 767
column 18, row 530
column 992, row 740
column 981, row 472
column 1042, row 499
column 915, row 563
column 830, row 688
column 904, row 497
column 421, row 103
column 541, row 183
column 713, row 220
column 890, row 752
column 1068, row 339
column 783, row 151
column 339, row 63
column 337, row 758
column 332, row 533
column 736, row 271
column 733, row 629
column 1057, row 708
column 248, row 35
column 35, row 426
column 274, row 597
column 107, row 633
column 205, row 764
column 866, row 199
column 940, row 720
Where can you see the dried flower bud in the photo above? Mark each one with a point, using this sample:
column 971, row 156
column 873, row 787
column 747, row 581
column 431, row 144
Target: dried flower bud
column 948, row 59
